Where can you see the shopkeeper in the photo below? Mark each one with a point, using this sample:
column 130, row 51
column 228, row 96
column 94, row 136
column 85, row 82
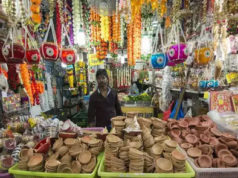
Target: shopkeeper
column 103, row 103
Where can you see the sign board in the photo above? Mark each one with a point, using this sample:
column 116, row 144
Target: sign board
column 93, row 61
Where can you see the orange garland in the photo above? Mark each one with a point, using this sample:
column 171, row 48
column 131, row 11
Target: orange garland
column 35, row 9
column 26, row 81
column 134, row 40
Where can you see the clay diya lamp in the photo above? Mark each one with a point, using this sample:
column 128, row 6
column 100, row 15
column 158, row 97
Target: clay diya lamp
column 84, row 157
column 35, row 161
column 229, row 160
column 201, row 129
column 157, row 149
column 205, row 161
column 205, row 118
column 164, row 165
column 184, row 133
column 170, row 145
column 204, row 138
column 158, row 123
column 183, row 124
column 63, row 150
column 186, row 146
column 219, row 147
column 70, row 141
column 194, row 122
column 175, row 132
column 206, row 123
column 213, row 141
column 194, row 152
column 232, row 144
column 67, row 135
column 223, row 152
column 191, row 139
column 206, row 149
column 215, row 132
column 178, row 156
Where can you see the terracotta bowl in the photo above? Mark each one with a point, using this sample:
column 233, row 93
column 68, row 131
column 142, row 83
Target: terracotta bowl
column 191, row 139
column 206, row 123
column 175, row 132
column 157, row 149
column 185, row 133
column 206, row 149
column 229, row 160
column 178, row 140
column 219, row 147
column 178, row 155
column 194, row 131
column 204, row 138
column 164, row 164
column 194, row 122
column 213, row 141
column 183, row 124
column 215, row 132
column 171, row 143
column 205, row 161
column 35, row 160
column 67, row 135
column 186, row 145
column 63, row 150
column 194, row 152
column 223, row 152
column 76, row 167
column 232, row 144
column 84, row 157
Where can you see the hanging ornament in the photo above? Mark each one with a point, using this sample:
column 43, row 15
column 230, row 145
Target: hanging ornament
column 68, row 53
column 32, row 52
column 77, row 19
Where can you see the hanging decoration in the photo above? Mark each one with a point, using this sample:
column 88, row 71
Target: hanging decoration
column 59, row 20
column 49, row 50
column 32, row 52
column 68, row 53
column 86, row 17
column 134, row 40
column 35, row 10
column 105, row 32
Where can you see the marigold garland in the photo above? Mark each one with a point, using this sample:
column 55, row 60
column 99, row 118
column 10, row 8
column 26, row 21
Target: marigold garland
column 26, row 81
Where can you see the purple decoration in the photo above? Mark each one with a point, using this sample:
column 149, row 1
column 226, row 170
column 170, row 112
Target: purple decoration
column 177, row 54
column 71, row 32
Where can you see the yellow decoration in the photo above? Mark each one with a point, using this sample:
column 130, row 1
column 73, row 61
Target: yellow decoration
column 32, row 122
column 203, row 56
column 70, row 78
column 93, row 61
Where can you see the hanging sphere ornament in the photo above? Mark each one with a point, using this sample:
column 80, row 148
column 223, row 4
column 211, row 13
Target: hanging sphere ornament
column 159, row 60
column 177, row 54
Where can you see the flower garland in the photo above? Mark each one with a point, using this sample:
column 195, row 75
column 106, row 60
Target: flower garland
column 116, row 28
column 105, row 32
column 102, row 50
column 58, row 23
column 26, row 81
column 134, row 40
column 95, row 27
column 35, row 9
column 86, row 20
column 35, row 89
column 77, row 18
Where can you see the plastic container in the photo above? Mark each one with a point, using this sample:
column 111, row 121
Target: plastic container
column 189, row 173
column 212, row 172
column 29, row 174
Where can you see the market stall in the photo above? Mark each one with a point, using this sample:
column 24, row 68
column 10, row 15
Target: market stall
column 118, row 88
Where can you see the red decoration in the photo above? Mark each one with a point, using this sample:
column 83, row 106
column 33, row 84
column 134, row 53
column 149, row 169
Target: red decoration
column 49, row 51
column 15, row 56
column 33, row 56
column 68, row 56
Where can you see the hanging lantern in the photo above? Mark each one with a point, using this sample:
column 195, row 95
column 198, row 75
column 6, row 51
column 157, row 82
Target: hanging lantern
column 159, row 60
column 203, row 55
column 68, row 56
column 177, row 54
column 14, row 53
column 49, row 51
column 33, row 56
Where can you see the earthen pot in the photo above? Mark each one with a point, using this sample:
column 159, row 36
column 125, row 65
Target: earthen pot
column 223, row 152
column 206, row 149
column 204, row 138
column 194, row 152
column 205, row 161
column 186, row 145
column 213, row 141
column 191, row 139
column 215, row 132
column 183, row 124
column 219, row 147
column 229, row 160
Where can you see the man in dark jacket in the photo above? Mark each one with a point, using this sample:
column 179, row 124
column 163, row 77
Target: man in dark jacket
column 103, row 103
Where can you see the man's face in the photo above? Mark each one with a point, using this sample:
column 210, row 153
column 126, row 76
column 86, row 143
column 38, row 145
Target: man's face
column 102, row 81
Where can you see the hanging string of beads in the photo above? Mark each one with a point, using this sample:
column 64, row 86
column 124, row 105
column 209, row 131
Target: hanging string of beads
column 204, row 14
